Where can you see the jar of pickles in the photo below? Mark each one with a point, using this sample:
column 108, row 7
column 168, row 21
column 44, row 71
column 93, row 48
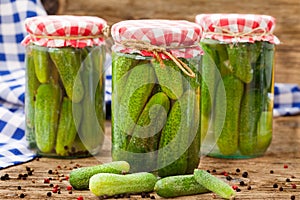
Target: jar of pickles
column 237, row 84
column 156, row 95
column 64, row 93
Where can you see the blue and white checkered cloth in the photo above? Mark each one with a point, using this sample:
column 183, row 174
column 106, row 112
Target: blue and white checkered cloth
column 13, row 144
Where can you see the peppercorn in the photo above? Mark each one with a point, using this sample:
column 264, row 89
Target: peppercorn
column 281, row 189
column 208, row 171
column 271, row 172
column 275, row 185
column 49, row 171
column 285, row 166
column 287, row 180
column 249, row 187
column 294, row 186
column 19, row 187
column 245, row 174
column 238, row 190
column 152, row 197
column 238, row 170
column 51, row 185
column 214, row 171
column 293, row 197
column 49, row 194
column 69, row 187
column 228, row 178
column 46, row 180
column 22, row 195
column 242, row 183
column 80, row 198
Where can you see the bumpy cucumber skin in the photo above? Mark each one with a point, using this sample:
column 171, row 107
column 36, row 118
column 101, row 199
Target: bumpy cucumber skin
column 79, row 178
column 175, row 186
column 227, row 141
column 214, row 184
column 170, row 78
column 67, row 131
column 41, row 61
column 240, row 61
column 138, row 89
column 251, row 108
column 113, row 184
column 68, row 61
column 47, row 107
column 175, row 135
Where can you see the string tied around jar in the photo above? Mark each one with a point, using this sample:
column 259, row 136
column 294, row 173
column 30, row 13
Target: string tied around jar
column 259, row 31
column 143, row 45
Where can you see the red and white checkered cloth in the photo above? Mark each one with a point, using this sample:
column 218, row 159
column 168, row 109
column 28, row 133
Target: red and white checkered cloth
column 238, row 27
column 49, row 31
column 179, row 37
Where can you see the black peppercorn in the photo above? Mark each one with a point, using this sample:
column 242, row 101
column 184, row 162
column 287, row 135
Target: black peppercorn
column 293, row 197
column 22, row 195
column 237, row 170
column 19, row 188
column 275, row 185
column 245, row 174
column 242, row 183
column 287, row 180
column 281, row 189
column 49, row 194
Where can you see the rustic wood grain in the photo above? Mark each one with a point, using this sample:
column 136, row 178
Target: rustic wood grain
column 284, row 150
column 286, row 12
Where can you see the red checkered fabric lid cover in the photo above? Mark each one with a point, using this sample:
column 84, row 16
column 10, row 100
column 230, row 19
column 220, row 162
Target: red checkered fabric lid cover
column 65, row 30
column 179, row 37
column 238, row 27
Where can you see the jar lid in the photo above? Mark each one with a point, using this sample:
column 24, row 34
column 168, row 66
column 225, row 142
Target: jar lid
column 65, row 30
column 238, row 27
column 178, row 37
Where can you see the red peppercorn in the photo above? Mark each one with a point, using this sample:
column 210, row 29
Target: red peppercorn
column 54, row 190
column 294, row 186
column 46, row 180
column 80, row 198
column 285, row 166
column 69, row 187
column 67, row 178
column 235, row 187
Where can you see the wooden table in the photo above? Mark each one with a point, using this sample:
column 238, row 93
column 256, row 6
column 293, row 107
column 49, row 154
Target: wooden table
column 283, row 157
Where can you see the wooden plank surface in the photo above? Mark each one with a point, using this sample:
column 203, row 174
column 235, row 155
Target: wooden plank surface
column 284, row 150
column 286, row 12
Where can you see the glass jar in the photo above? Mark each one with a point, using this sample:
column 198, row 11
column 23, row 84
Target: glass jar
column 237, row 84
column 155, row 97
column 64, row 91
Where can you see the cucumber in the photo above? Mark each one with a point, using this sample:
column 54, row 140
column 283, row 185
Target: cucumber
column 181, row 185
column 240, row 61
column 41, row 61
column 67, row 131
column 194, row 148
column 175, row 137
column 227, row 132
column 146, row 134
column 47, row 108
column 79, row 178
column 251, row 109
column 112, row 184
column 264, row 131
column 125, row 115
column 31, row 85
column 214, row 184
column 67, row 61
column 169, row 78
